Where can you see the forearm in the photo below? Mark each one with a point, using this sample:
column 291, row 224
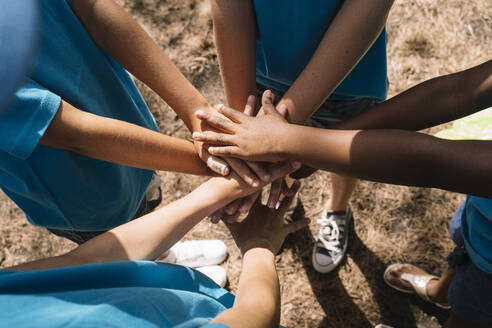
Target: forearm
column 428, row 104
column 120, row 142
column 234, row 31
column 257, row 301
column 397, row 157
column 351, row 34
column 144, row 238
column 119, row 35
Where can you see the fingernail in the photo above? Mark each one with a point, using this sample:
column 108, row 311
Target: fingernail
column 271, row 204
column 255, row 183
column 197, row 135
column 295, row 164
column 282, row 107
column 244, row 209
column 251, row 98
column 220, row 106
column 199, row 112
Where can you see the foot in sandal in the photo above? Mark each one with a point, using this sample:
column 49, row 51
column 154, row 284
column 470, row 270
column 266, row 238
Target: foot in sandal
column 410, row 279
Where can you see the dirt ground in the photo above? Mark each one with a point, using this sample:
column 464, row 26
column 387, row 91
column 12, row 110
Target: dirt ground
column 427, row 38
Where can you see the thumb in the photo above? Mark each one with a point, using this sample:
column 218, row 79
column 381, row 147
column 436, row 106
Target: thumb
column 297, row 225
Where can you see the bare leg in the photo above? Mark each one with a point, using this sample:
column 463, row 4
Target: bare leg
column 341, row 189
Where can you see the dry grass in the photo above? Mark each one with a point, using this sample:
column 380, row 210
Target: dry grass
column 427, row 38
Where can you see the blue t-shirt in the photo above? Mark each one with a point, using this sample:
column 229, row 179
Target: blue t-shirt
column 476, row 228
column 120, row 294
column 58, row 188
column 289, row 32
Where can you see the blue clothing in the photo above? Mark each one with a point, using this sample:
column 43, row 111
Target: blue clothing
column 289, row 32
column 58, row 188
column 470, row 290
column 121, row 294
column 477, row 231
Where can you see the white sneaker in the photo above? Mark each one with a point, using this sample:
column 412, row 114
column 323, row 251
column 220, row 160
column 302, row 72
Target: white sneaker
column 197, row 253
column 217, row 273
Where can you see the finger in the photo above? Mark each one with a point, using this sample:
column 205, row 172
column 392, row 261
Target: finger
column 233, row 151
column 285, row 188
column 233, row 207
column 216, row 121
column 232, row 114
column 243, row 171
column 274, row 193
column 282, row 169
column 296, row 225
column 249, row 109
column 232, row 218
column 218, row 165
column 215, row 138
column 287, row 201
column 282, row 110
column 248, row 202
column 267, row 102
column 216, row 216
column 259, row 170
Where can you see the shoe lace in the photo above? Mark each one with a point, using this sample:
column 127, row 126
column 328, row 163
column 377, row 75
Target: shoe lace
column 329, row 234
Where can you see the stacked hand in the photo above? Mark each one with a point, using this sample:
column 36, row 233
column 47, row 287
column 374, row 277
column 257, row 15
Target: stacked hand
column 265, row 227
column 244, row 137
column 215, row 123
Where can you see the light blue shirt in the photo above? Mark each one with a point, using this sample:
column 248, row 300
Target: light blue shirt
column 57, row 188
column 476, row 228
column 122, row 294
column 289, row 32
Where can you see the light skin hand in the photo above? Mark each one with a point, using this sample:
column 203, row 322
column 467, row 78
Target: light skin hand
column 250, row 138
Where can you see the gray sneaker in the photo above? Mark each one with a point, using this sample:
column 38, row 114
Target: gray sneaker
column 331, row 246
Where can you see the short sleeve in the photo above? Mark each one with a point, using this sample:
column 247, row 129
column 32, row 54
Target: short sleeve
column 26, row 121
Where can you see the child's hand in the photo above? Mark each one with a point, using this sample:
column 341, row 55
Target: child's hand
column 248, row 138
column 250, row 172
column 265, row 227
column 232, row 187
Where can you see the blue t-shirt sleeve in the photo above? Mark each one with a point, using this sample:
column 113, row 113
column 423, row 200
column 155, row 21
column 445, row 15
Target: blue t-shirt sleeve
column 215, row 325
column 26, row 122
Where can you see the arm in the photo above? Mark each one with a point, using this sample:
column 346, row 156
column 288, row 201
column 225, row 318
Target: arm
column 350, row 35
column 234, row 31
column 257, row 302
column 120, row 142
column 389, row 156
column 259, row 237
column 149, row 236
column 115, row 31
column 397, row 157
column 440, row 100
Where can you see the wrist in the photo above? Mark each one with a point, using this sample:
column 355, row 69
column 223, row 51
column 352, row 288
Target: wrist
column 287, row 140
column 258, row 252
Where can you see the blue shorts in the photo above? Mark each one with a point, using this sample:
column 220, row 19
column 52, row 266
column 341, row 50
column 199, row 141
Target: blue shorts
column 330, row 112
column 470, row 292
